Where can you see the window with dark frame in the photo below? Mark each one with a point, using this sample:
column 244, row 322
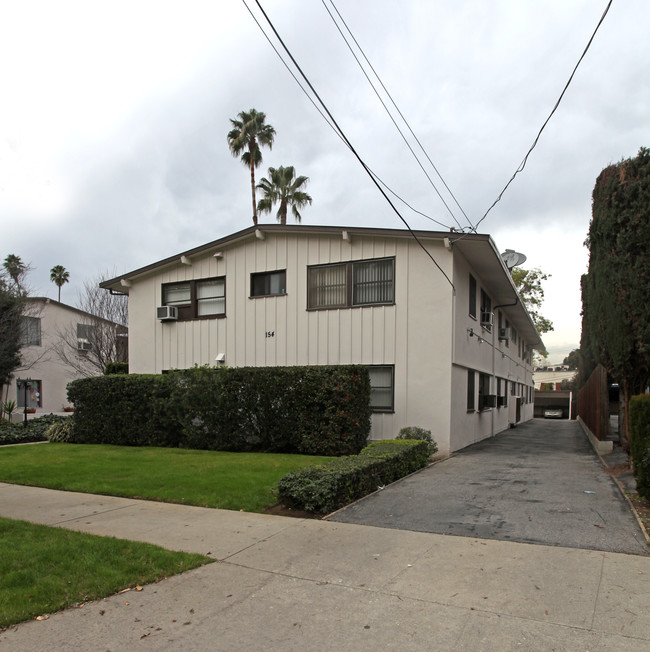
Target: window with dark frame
column 483, row 390
column 486, row 304
column 34, row 393
column 382, row 388
column 30, row 331
column 200, row 299
column 471, row 389
column 472, row 297
column 351, row 284
column 269, row 284
column 504, row 396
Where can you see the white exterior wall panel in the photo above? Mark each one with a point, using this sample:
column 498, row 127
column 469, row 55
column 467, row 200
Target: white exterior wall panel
column 483, row 352
column 414, row 335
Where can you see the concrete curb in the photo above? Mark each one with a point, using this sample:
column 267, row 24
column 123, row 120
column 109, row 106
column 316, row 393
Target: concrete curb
column 606, row 450
column 621, row 488
column 601, row 447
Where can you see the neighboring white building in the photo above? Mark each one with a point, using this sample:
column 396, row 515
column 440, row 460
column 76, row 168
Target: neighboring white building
column 454, row 361
column 47, row 325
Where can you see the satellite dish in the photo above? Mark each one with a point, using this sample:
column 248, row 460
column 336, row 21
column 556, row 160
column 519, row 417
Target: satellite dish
column 512, row 258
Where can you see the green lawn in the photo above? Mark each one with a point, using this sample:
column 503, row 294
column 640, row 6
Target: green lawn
column 239, row 481
column 45, row 569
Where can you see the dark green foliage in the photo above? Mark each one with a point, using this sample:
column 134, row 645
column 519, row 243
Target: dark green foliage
column 62, row 431
column 325, row 487
column 415, row 432
column 116, row 368
column 36, row 429
column 312, row 410
column 640, row 442
column 11, row 311
column 616, row 289
column 573, row 359
column 125, row 410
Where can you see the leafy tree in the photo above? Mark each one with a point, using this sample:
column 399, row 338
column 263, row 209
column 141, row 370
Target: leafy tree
column 59, row 275
column 248, row 134
column 616, row 288
column 283, row 188
column 11, row 311
column 573, row 359
column 529, row 286
column 13, row 295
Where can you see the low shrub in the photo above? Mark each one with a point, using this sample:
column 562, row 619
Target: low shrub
column 61, row 432
column 401, row 456
column 415, row 432
column 640, row 442
column 324, row 488
column 116, row 368
column 36, row 429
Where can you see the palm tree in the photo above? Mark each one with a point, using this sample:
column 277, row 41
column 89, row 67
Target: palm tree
column 59, row 276
column 249, row 132
column 15, row 267
column 283, row 188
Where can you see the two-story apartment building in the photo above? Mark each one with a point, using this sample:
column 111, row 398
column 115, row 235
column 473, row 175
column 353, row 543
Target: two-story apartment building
column 448, row 343
column 58, row 344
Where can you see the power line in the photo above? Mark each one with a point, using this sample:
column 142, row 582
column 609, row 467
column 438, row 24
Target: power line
column 522, row 165
column 349, row 144
column 390, row 97
column 331, row 126
column 415, row 156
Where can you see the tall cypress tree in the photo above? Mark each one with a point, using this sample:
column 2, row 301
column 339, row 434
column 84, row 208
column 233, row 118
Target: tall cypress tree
column 616, row 288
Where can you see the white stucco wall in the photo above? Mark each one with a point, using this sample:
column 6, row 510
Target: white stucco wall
column 41, row 362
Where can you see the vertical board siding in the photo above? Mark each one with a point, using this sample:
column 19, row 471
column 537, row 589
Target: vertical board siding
column 404, row 335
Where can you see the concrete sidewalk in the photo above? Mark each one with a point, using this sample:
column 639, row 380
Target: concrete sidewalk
column 294, row 584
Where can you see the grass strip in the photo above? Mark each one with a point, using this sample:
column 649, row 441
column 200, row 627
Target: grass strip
column 238, row 481
column 45, row 569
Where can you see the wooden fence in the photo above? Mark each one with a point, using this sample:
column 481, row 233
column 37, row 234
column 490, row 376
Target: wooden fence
column 593, row 403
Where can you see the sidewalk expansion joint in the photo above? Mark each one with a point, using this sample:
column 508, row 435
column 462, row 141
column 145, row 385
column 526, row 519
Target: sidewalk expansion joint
column 104, row 511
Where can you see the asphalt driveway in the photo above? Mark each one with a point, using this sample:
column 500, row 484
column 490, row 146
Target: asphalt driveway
column 540, row 482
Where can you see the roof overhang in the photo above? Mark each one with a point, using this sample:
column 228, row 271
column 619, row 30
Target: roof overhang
column 478, row 249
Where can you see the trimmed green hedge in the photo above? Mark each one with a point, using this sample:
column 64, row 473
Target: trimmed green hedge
column 116, row 368
column 640, row 442
column 324, row 488
column 309, row 410
column 125, row 410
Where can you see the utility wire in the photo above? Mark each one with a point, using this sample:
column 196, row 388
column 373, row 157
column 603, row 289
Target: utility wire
column 401, row 133
column 331, row 126
column 390, row 97
column 349, row 144
column 522, row 165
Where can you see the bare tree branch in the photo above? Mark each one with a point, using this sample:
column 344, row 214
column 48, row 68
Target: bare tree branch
column 100, row 335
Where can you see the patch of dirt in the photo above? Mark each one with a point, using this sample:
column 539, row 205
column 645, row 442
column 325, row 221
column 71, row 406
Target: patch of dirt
column 281, row 510
column 617, row 469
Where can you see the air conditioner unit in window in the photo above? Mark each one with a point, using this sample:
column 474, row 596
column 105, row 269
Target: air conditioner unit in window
column 83, row 345
column 502, row 401
column 504, row 334
column 487, row 319
column 490, row 401
column 167, row 313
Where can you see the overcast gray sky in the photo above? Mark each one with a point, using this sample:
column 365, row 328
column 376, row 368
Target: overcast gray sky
column 114, row 118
